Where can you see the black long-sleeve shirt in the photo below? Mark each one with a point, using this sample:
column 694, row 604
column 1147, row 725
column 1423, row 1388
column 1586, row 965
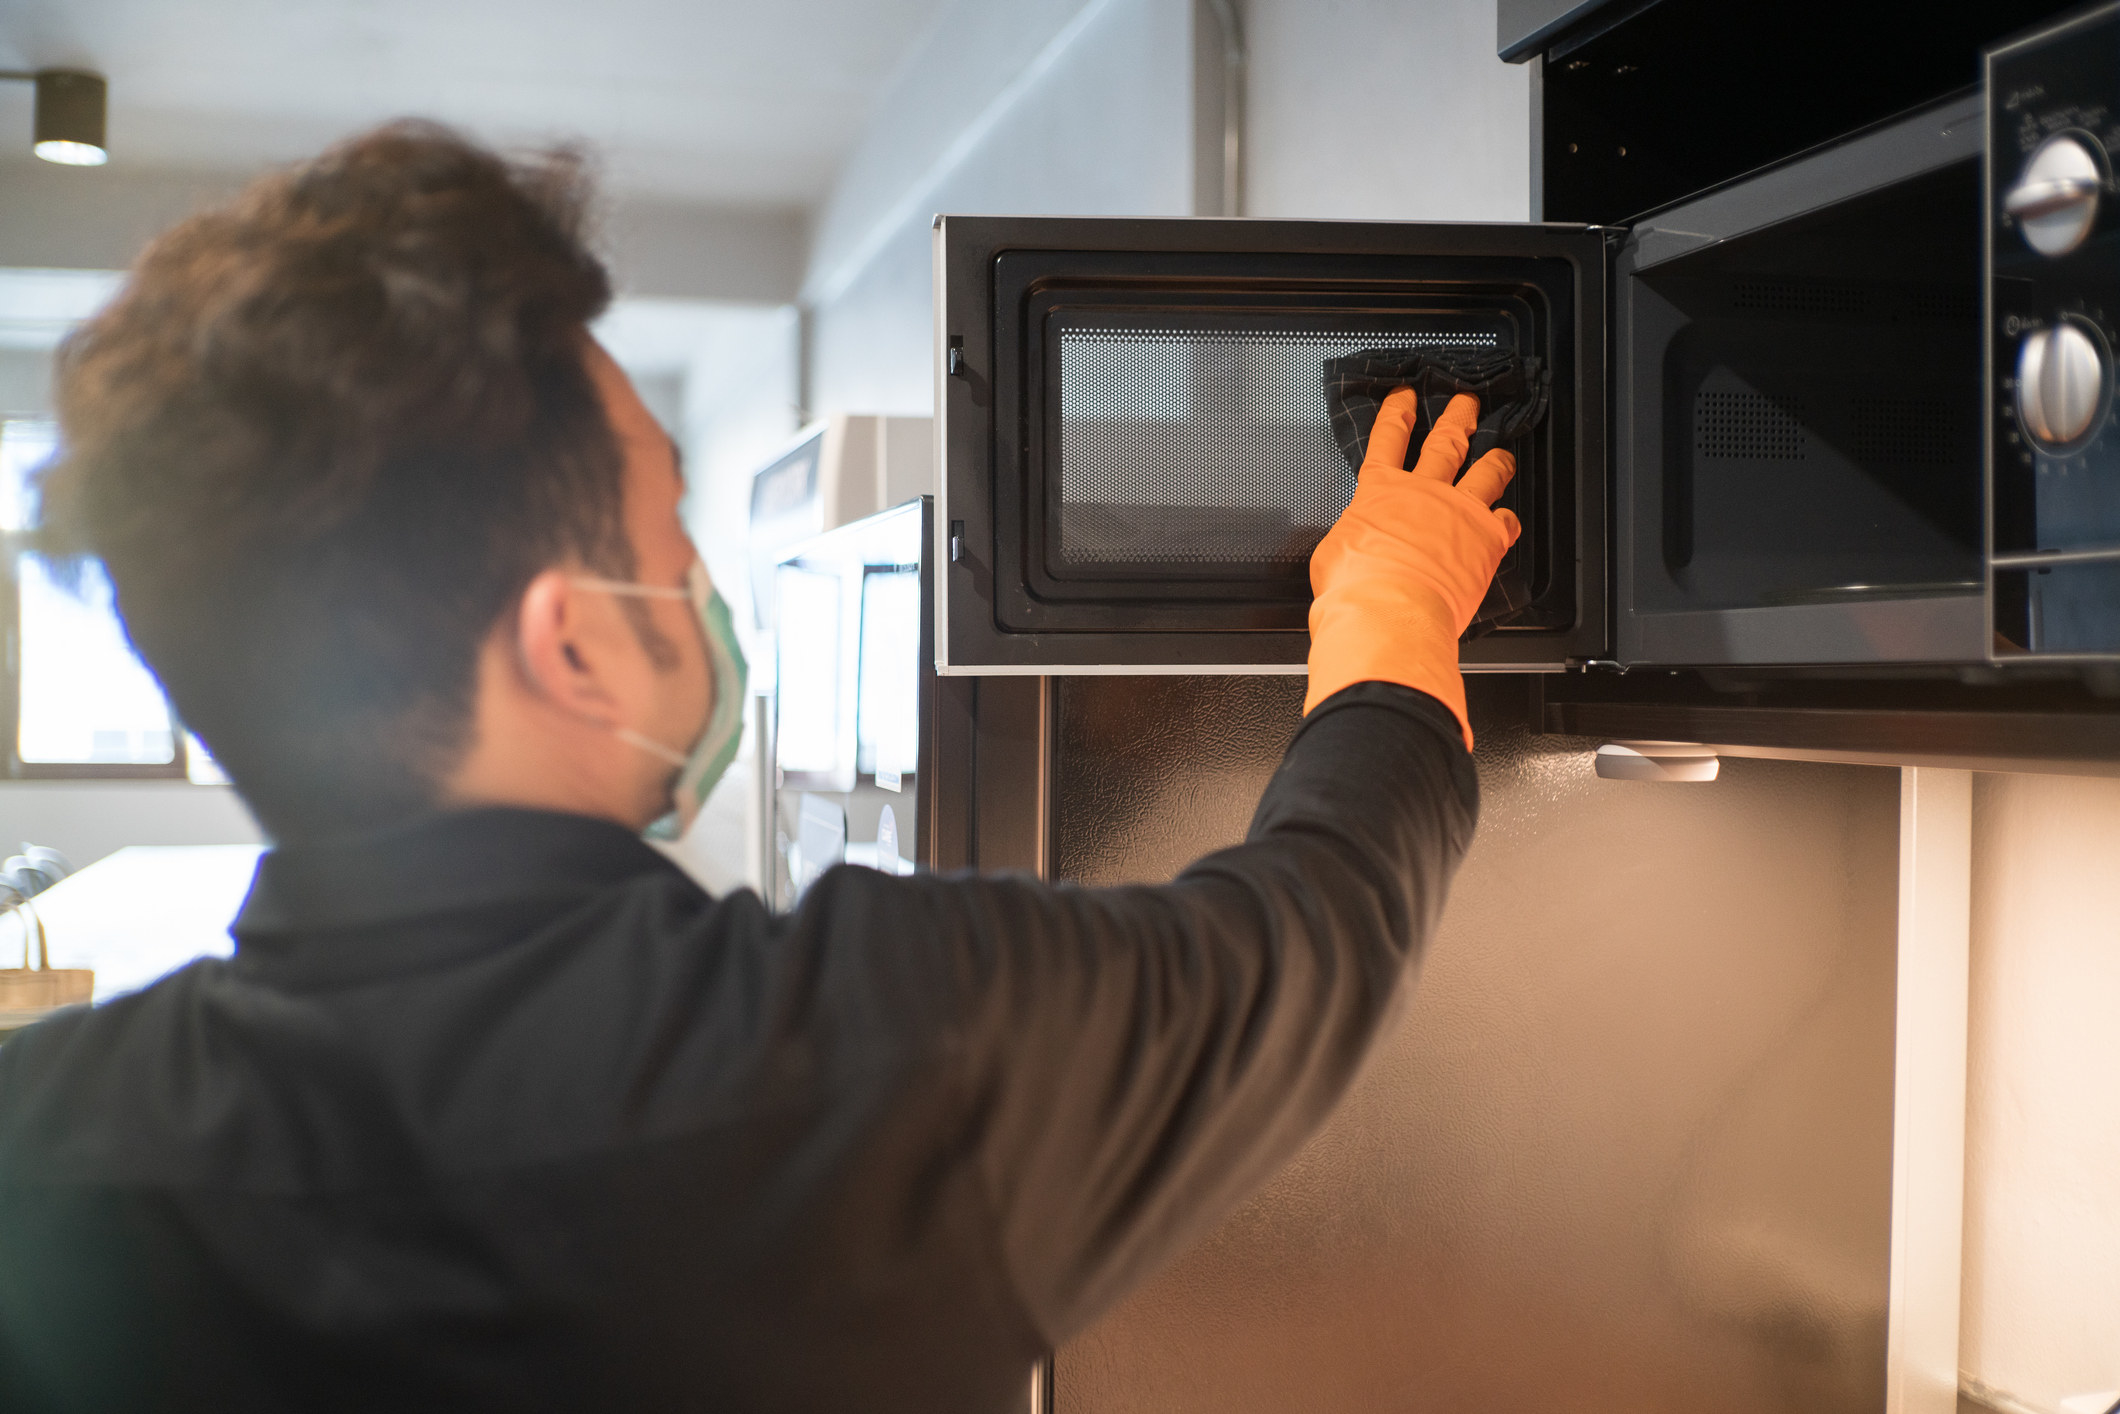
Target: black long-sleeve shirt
column 500, row 1111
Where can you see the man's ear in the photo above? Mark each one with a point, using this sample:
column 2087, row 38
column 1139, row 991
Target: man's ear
column 558, row 648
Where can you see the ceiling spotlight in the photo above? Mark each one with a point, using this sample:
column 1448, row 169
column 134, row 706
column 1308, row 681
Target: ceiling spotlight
column 69, row 122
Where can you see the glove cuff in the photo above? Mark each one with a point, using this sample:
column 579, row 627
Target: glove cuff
column 1396, row 632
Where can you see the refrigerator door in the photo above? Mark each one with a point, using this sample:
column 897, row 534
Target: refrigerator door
column 1611, row 1161
column 1138, row 455
column 850, row 757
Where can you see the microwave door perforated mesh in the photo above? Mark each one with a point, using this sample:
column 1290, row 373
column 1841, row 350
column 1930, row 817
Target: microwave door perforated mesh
column 1208, row 448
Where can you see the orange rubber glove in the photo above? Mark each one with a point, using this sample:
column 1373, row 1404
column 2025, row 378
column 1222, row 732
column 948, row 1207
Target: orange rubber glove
column 1401, row 574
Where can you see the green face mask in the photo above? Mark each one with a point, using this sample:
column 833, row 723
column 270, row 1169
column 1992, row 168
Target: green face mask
column 699, row 769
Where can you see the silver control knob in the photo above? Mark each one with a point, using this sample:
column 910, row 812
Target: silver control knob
column 2055, row 201
column 2060, row 384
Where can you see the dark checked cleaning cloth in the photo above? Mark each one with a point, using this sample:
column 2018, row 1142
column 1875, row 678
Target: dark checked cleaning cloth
column 1513, row 393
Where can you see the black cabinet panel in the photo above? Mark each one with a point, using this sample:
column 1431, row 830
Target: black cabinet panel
column 1683, row 95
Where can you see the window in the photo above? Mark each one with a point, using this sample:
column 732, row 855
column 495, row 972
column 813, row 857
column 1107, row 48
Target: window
column 78, row 701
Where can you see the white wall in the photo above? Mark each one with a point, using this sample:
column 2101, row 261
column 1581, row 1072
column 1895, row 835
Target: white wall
column 974, row 53
column 94, row 218
column 1082, row 109
column 2041, row 1318
column 1356, row 108
column 704, row 252
column 1384, row 110
column 25, row 382
column 85, row 820
column 99, row 218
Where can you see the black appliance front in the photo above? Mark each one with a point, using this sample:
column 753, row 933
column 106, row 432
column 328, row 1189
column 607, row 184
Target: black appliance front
column 1797, row 436
column 2054, row 287
column 1138, row 455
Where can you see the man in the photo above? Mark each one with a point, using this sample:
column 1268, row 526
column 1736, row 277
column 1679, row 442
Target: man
column 495, row 1109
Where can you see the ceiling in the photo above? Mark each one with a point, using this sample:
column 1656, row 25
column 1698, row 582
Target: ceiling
column 696, row 101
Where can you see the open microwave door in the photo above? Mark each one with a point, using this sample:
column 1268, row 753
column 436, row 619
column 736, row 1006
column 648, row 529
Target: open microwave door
column 1138, row 454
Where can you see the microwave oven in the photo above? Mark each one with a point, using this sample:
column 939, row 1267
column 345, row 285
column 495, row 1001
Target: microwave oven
column 1766, row 446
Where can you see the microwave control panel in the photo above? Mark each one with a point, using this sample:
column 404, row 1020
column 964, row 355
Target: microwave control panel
column 2053, row 243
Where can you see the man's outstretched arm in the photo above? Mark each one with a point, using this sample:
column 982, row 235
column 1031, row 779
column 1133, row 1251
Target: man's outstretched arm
column 1140, row 1059
column 1125, row 1064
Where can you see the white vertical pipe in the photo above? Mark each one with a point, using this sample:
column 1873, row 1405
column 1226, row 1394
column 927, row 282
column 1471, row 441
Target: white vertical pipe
column 1928, row 1108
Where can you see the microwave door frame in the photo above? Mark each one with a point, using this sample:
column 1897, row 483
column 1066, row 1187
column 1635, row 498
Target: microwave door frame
column 971, row 638
column 1913, row 629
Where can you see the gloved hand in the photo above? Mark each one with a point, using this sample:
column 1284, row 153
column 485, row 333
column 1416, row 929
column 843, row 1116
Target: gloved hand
column 1401, row 574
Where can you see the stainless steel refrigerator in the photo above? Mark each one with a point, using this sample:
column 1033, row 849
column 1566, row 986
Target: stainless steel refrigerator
column 1631, row 1148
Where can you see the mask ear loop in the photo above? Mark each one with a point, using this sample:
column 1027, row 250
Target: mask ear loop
column 627, row 587
column 650, row 745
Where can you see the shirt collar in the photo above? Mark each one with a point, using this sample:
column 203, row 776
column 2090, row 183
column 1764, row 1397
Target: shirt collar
column 459, row 863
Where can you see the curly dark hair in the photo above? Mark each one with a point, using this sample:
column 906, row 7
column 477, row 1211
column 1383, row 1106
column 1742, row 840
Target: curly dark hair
column 321, row 442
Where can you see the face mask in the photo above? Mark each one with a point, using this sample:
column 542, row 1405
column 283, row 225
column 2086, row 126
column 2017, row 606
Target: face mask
column 699, row 769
